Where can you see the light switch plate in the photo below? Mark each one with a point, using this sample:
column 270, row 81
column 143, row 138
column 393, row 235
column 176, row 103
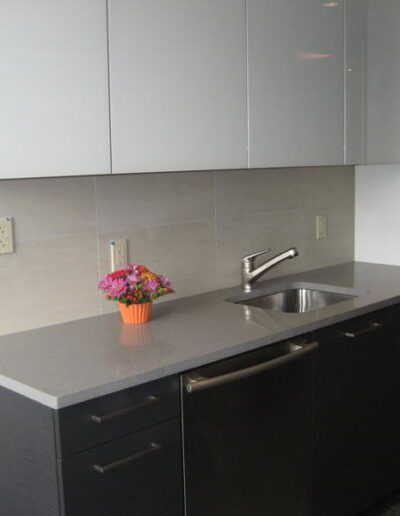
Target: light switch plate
column 119, row 253
column 6, row 235
column 321, row 227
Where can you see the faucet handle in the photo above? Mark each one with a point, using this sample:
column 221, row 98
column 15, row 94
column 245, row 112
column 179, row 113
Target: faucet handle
column 249, row 258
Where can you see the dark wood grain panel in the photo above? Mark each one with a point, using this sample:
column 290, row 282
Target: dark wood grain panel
column 28, row 469
column 178, row 511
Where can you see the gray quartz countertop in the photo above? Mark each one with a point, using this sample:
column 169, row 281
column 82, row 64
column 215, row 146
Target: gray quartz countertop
column 72, row 362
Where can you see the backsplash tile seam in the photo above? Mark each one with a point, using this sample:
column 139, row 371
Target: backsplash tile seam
column 127, row 229
column 98, row 241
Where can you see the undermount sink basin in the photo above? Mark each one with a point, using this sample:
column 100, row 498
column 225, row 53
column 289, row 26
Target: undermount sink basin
column 297, row 297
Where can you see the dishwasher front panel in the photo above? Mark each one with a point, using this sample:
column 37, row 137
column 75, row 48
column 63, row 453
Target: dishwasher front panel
column 247, row 434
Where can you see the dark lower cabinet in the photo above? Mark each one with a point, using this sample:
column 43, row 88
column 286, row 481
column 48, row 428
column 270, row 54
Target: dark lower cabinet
column 248, row 427
column 140, row 474
column 127, row 458
column 357, row 416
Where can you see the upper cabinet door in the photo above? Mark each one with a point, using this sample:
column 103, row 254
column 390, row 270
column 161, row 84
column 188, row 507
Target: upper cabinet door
column 296, row 82
column 178, row 84
column 383, row 82
column 53, row 88
column 356, row 33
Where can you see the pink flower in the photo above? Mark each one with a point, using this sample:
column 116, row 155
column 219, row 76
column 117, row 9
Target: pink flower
column 117, row 288
column 133, row 278
column 105, row 283
column 150, row 285
column 165, row 282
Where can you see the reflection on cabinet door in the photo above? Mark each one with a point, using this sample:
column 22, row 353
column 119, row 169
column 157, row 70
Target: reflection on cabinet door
column 53, row 88
column 296, row 86
column 178, row 85
column 383, row 79
column 356, row 25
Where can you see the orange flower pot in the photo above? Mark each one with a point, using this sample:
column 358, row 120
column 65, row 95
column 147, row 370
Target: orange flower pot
column 136, row 314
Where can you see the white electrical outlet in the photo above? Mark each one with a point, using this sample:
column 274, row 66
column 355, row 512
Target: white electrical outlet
column 119, row 253
column 6, row 235
column 321, row 227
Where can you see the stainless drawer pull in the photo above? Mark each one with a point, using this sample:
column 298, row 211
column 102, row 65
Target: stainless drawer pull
column 123, row 412
column 372, row 327
column 199, row 383
column 154, row 447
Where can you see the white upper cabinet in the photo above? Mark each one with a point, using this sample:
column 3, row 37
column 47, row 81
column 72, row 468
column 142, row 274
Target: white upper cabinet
column 383, row 82
column 53, row 88
column 296, row 82
column 356, row 32
column 178, row 84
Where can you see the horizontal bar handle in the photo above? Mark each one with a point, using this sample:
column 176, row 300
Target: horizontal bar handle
column 199, row 383
column 373, row 326
column 150, row 400
column 104, row 468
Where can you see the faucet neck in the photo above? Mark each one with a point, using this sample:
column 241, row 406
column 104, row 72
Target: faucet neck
column 251, row 274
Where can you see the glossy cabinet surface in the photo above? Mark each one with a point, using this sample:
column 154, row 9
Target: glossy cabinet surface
column 355, row 73
column 178, row 85
column 383, row 82
column 53, row 89
column 296, row 86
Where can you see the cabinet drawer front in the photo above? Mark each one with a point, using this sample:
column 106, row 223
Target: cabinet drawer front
column 357, row 331
column 136, row 474
column 98, row 421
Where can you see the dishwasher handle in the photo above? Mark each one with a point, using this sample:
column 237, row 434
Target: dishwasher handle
column 199, row 383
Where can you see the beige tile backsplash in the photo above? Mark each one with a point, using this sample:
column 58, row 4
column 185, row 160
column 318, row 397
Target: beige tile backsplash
column 193, row 227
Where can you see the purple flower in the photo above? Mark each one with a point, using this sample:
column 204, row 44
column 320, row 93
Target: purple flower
column 165, row 282
column 150, row 286
column 117, row 288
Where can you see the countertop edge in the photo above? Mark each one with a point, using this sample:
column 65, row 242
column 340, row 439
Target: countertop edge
column 59, row 402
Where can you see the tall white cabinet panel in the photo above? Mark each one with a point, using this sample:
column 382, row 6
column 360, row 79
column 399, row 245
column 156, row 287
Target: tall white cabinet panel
column 356, row 32
column 53, row 88
column 383, row 82
column 296, row 83
column 178, row 84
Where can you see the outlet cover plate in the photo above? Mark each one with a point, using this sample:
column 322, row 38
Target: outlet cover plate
column 6, row 235
column 119, row 253
column 321, row 227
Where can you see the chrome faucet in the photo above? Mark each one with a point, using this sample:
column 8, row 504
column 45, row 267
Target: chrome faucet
column 250, row 274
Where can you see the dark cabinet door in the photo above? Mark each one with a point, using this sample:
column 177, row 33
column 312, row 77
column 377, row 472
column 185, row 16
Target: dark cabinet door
column 247, row 439
column 357, row 416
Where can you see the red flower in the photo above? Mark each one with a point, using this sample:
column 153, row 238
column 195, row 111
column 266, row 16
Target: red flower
column 118, row 274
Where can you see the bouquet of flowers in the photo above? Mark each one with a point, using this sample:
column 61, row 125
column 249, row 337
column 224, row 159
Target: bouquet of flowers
column 135, row 285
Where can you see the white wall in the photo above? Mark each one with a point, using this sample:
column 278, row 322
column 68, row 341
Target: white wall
column 377, row 217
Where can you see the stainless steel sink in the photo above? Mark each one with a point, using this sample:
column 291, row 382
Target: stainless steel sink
column 297, row 297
